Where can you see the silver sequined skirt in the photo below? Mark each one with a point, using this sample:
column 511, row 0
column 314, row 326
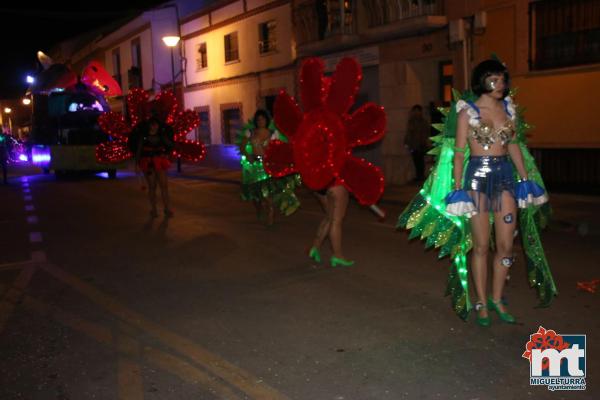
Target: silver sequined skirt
column 486, row 178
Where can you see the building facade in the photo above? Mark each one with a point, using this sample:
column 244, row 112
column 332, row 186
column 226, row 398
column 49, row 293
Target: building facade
column 239, row 55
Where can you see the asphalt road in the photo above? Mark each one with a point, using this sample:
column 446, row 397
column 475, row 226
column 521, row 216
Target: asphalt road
column 97, row 301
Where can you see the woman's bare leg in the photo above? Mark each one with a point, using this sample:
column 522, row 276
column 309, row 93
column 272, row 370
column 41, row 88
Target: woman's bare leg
column 163, row 182
column 337, row 203
column 480, row 230
column 150, row 176
column 505, row 222
column 323, row 229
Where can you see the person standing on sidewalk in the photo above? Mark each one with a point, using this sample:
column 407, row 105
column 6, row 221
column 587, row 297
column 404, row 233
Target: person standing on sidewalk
column 417, row 139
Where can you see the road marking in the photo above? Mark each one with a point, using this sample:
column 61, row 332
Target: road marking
column 128, row 348
column 32, row 219
column 27, row 198
column 95, row 331
column 235, row 376
column 29, row 207
column 129, row 376
column 26, row 190
column 14, row 265
column 188, row 372
column 14, row 294
column 35, row 237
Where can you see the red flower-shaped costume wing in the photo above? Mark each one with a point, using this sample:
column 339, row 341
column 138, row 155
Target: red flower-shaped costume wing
column 322, row 137
column 166, row 109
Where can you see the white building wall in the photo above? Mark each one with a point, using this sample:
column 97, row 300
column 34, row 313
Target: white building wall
column 126, row 59
column 250, row 59
column 246, row 81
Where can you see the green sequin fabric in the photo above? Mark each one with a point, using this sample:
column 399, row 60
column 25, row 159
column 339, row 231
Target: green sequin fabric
column 425, row 217
column 258, row 185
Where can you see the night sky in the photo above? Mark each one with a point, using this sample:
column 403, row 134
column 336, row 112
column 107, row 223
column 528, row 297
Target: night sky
column 30, row 27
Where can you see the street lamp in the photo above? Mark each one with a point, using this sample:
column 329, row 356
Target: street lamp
column 26, row 101
column 30, row 79
column 7, row 110
column 172, row 42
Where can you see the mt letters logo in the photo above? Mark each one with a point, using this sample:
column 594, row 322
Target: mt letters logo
column 556, row 361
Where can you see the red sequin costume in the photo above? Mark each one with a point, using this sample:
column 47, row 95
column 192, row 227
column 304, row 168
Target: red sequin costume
column 323, row 136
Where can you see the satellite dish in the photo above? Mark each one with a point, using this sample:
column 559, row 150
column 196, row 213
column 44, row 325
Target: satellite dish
column 44, row 60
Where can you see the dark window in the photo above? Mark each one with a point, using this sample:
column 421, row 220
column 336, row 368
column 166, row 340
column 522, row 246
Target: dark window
column 446, row 74
column 564, row 33
column 203, row 130
column 267, row 38
column 231, row 47
column 116, row 64
column 202, row 59
column 135, row 73
column 232, row 123
column 270, row 103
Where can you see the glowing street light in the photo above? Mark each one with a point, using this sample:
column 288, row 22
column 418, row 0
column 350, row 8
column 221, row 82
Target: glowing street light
column 7, row 110
column 27, row 101
column 171, row 41
column 30, row 79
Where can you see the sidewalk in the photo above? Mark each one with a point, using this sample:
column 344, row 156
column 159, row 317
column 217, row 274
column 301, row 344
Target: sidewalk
column 572, row 213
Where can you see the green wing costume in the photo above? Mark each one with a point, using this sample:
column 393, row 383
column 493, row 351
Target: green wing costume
column 426, row 217
column 257, row 184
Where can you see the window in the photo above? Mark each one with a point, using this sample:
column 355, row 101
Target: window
column 203, row 130
column 446, row 74
column 231, row 47
column 267, row 39
column 564, row 33
column 202, row 57
column 231, row 118
column 135, row 73
column 116, row 65
column 270, row 103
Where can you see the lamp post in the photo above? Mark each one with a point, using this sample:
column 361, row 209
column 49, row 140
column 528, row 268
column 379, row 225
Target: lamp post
column 172, row 42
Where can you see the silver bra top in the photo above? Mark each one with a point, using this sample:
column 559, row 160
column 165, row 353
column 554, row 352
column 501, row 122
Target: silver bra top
column 483, row 132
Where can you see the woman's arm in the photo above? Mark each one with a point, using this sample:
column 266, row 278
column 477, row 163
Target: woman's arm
column 460, row 146
column 243, row 147
column 517, row 157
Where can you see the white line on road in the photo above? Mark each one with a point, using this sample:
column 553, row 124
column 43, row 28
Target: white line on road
column 26, row 190
column 29, row 207
column 35, row 237
column 32, row 219
column 27, row 198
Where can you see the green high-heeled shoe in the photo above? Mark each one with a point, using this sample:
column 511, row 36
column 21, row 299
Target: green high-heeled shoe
column 335, row 261
column 504, row 316
column 315, row 254
column 482, row 321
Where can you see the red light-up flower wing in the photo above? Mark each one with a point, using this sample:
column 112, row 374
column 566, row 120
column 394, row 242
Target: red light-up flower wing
column 322, row 138
column 166, row 109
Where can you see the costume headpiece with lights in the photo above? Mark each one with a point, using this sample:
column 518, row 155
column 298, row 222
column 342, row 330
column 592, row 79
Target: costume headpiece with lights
column 427, row 215
column 322, row 136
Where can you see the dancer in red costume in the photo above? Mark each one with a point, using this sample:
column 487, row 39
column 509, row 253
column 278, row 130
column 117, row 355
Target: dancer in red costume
column 155, row 132
column 321, row 142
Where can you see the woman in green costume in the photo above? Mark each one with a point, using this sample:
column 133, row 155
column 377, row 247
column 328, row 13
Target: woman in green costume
column 264, row 191
column 484, row 176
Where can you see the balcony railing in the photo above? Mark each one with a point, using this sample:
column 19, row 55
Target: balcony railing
column 383, row 12
column 320, row 19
